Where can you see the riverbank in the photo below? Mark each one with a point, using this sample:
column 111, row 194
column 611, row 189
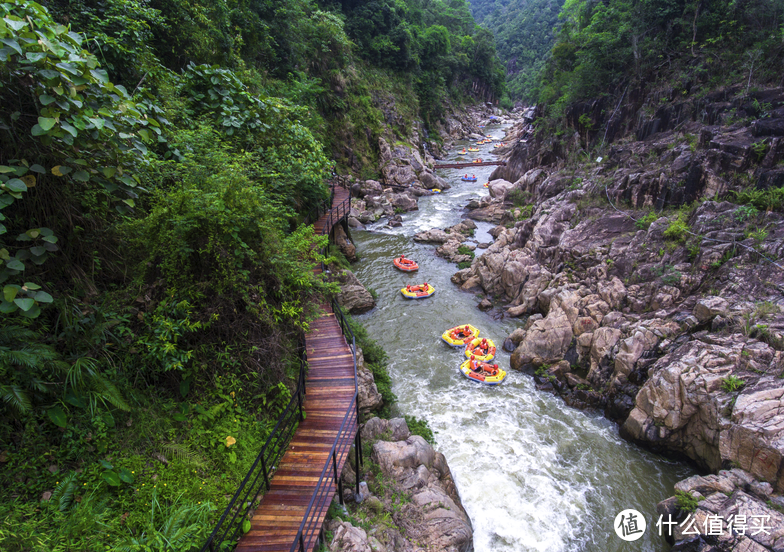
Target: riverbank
column 510, row 447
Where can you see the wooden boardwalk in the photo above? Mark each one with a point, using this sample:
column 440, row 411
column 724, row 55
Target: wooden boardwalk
column 330, row 401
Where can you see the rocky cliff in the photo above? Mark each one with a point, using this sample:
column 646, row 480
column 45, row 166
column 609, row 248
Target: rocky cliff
column 649, row 279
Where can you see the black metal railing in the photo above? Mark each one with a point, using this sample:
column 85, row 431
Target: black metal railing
column 330, row 481
column 257, row 480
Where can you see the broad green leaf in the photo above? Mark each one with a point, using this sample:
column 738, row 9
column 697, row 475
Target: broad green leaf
column 37, row 130
column 48, row 74
column 246, row 525
column 46, row 231
column 74, row 399
column 109, row 172
column 33, row 312
column 16, row 185
column 69, row 129
column 35, row 56
column 43, row 297
column 7, row 307
column 24, row 303
column 31, row 286
column 97, row 122
column 46, row 99
column 38, row 250
column 46, row 123
column 4, row 254
column 9, row 293
column 60, row 170
column 14, row 24
column 57, row 416
column 129, row 202
column 126, row 476
column 81, row 176
column 50, row 239
column 13, row 44
column 15, row 264
column 4, row 169
column 33, row 233
column 112, row 478
column 38, row 168
column 179, row 417
column 106, row 465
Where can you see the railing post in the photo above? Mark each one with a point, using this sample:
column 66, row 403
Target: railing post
column 356, row 457
column 338, row 481
column 299, row 403
column 264, row 471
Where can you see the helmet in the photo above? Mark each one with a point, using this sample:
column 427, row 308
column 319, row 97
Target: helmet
column 473, row 357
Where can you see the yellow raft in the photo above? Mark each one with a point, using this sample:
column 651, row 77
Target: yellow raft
column 460, row 335
column 481, row 349
column 485, row 373
column 418, row 292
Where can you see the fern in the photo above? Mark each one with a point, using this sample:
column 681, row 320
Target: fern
column 64, row 492
column 15, row 397
column 107, row 391
column 183, row 453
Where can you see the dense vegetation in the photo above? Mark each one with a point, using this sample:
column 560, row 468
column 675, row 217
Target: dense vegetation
column 525, row 31
column 608, row 47
column 157, row 160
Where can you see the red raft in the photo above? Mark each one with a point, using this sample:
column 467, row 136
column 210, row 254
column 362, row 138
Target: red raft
column 406, row 265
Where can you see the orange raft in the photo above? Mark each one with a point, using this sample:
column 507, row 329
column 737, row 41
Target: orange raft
column 481, row 349
column 406, row 265
column 459, row 336
column 482, row 372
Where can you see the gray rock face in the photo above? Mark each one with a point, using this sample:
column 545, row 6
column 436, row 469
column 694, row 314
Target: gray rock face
column 687, row 406
column 722, row 497
column 431, row 519
column 368, row 396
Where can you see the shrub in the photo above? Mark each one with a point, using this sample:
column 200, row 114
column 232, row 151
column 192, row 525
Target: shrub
column 646, row 221
column 732, row 383
column 420, row 427
column 686, row 501
column 678, row 228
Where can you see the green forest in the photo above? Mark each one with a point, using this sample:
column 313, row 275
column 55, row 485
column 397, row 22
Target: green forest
column 159, row 163
column 525, row 31
column 607, row 48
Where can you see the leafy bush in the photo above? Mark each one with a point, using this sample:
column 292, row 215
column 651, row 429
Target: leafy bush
column 686, row 501
column 771, row 199
column 732, row 383
column 420, row 427
column 678, row 228
column 647, row 220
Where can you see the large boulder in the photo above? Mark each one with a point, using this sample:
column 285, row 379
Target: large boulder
column 707, row 400
column 499, row 188
column 353, row 296
column 440, row 522
column 368, row 396
column 548, row 339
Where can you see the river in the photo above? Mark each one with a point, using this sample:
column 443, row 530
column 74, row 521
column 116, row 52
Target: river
column 533, row 473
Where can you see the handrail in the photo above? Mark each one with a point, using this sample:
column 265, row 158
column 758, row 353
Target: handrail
column 234, row 516
column 276, row 443
column 322, row 495
column 323, row 486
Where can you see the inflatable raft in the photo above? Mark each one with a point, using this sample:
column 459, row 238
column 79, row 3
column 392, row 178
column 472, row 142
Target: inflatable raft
column 482, row 349
column 482, row 372
column 473, row 149
column 468, row 178
column 418, row 292
column 477, row 161
column 459, row 336
column 406, row 265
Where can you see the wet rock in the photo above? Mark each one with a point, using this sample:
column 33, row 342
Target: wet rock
column 485, row 305
column 368, row 396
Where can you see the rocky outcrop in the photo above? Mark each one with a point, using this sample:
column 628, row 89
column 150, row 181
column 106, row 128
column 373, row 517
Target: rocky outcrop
column 453, row 246
column 353, row 297
column 429, row 517
column 369, row 398
column 734, row 511
column 719, row 401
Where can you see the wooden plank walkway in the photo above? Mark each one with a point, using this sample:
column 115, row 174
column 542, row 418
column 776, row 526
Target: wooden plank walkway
column 330, row 394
